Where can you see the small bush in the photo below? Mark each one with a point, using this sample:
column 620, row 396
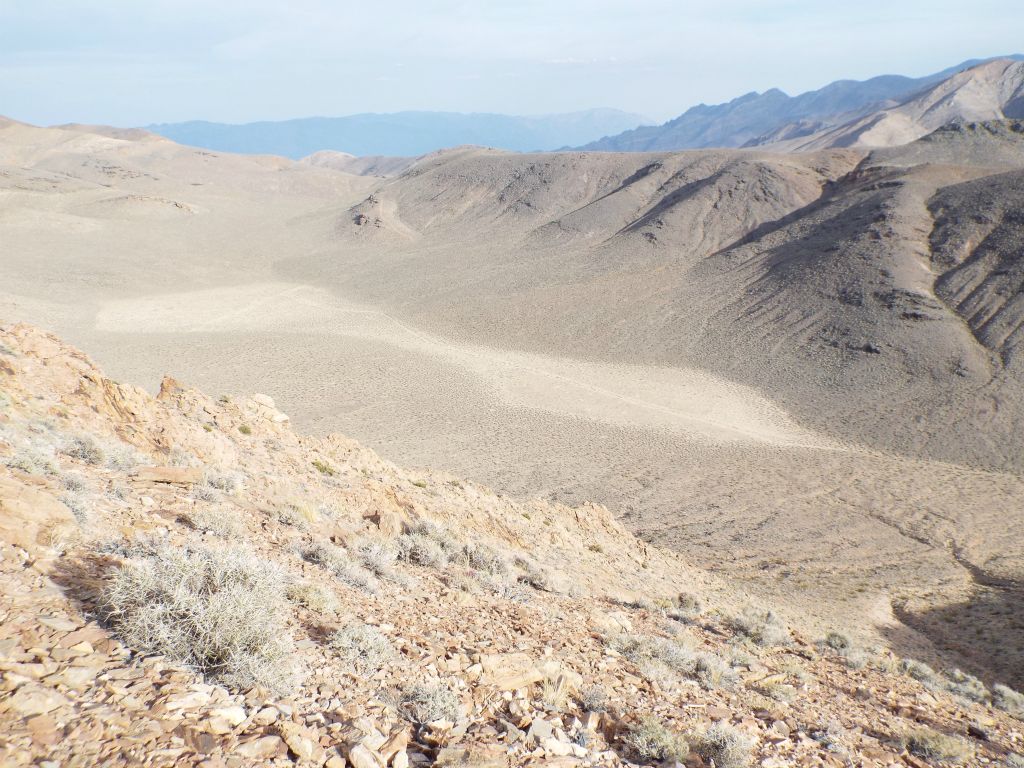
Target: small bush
column 481, row 557
column 84, row 448
column 837, row 642
column 122, row 457
column 245, row 429
column 739, row 657
column 556, row 691
column 656, row 658
column 1013, row 760
column 966, row 686
column 832, row 737
column 461, row 581
column 651, row 741
column 295, row 514
column 179, row 457
column 338, row 562
column 32, row 461
column 533, row 574
column 323, row 468
column 216, row 521
column 727, row 746
column 504, row 587
column 203, row 493
column 686, row 601
column 594, row 699
column 920, row 672
column 218, row 611
column 428, row 702
column 933, row 745
column 711, row 672
column 761, row 626
column 685, row 607
column 72, row 482
column 421, row 550
column 116, row 492
column 78, row 505
column 312, row 596
column 1008, row 700
column 226, row 481
column 376, row 555
column 363, row 646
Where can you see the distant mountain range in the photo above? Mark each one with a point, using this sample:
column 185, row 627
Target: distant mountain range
column 882, row 111
column 770, row 117
column 401, row 133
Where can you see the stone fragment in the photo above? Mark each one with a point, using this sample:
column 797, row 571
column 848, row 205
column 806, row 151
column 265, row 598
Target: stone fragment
column 556, row 747
column 90, row 633
column 509, row 671
column 59, row 623
column 233, row 715
column 266, row 716
column 611, row 622
column 301, row 741
column 76, row 678
column 43, row 729
column 390, row 524
column 261, row 748
column 396, row 742
column 190, row 700
column 540, row 730
column 170, row 475
column 33, row 699
column 361, row 757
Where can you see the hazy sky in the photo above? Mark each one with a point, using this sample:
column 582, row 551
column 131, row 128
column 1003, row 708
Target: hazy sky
column 133, row 62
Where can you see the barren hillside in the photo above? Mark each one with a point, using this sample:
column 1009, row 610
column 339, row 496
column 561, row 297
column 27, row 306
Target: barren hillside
column 188, row 582
column 775, row 364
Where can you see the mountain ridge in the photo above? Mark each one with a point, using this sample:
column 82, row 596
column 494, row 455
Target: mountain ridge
column 744, row 119
column 403, row 134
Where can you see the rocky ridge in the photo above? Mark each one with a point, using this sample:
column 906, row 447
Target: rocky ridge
column 549, row 635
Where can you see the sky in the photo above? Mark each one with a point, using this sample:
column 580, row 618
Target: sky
column 137, row 62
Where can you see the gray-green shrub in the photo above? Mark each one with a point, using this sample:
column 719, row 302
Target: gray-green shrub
column 219, row 611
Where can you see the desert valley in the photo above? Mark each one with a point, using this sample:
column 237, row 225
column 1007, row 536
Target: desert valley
column 786, row 370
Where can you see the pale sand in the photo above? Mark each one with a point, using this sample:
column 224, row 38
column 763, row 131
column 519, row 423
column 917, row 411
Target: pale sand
column 695, row 403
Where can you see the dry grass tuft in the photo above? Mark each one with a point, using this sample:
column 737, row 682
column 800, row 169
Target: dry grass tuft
column 84, row 448
column 593, row 699
column 363, row 646
column 712, row 672
column 761, row 626
column 1008, row 700
column 375, row 555
column 966, row 686
column 219, row 522
column 312, row 596
column 429, row 702
column 933, row 745
column 728, row 747
column 651, row 741
column 657, row 658
column 338, row 562
column 219, row 611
